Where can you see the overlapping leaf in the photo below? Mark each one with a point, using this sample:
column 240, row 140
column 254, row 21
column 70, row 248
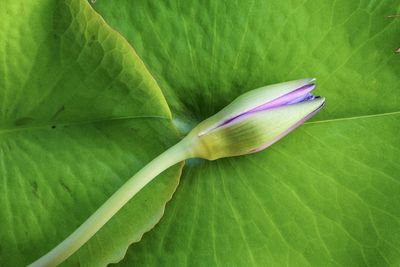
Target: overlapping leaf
column 80, row 114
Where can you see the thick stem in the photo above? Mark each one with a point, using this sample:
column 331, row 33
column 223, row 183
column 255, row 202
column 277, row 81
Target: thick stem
column 83, row 233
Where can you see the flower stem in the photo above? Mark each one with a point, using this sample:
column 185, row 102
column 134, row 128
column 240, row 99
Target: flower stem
column 83, row 233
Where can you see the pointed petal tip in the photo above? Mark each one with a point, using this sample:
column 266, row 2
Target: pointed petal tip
column 310, row 80
column 320, row 100
column 320, row 103
column 303, row 82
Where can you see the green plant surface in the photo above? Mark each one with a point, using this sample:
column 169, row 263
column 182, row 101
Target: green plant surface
column 81, row 112
column 327, row 194
column 79, row 115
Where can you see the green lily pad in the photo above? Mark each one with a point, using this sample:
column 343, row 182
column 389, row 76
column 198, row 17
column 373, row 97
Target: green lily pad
column 79, row 115
column 325, row 195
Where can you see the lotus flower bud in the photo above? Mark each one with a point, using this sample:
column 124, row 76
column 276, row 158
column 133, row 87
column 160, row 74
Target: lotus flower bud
column 249, row 124
column 256, row 120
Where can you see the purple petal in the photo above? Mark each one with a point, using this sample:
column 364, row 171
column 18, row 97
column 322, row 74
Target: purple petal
column 306, row 97
column 293, row 97
column 296, row 96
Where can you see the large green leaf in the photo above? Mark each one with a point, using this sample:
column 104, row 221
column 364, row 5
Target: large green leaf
column 328, row 194
column 79, row 115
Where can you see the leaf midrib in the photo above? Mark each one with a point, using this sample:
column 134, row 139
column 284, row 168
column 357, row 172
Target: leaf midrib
column 355, row 117
column 77, row 123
